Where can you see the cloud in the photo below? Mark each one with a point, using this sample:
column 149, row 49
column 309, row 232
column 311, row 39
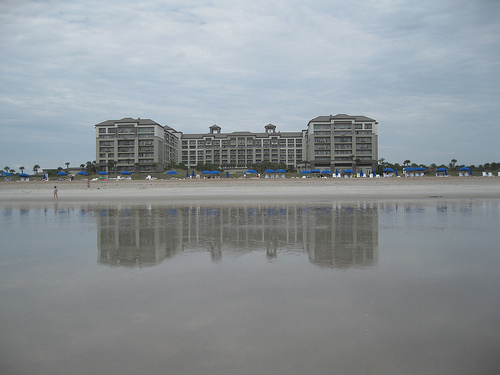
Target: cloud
column 69, row 65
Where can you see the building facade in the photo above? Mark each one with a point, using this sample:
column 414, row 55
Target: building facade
column 241, row 149
column 329, row 142
column 342, row 142
column 130, row 144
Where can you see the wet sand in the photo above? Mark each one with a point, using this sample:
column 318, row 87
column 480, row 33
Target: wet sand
column 252, row 190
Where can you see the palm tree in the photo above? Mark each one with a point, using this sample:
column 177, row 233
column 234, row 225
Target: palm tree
column 82, row 166
column 22, row 169
column 67, row 166
column 453, row 162
column 406, row 163
column 36, row 167
column 6, row 169
column 111, row 165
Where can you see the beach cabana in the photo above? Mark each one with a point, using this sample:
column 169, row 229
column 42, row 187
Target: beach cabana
column 348, row 173
column 441, row 172
column 466, row 171
column 269, row 171
column 409, row 171
column 420, row 171
column 282, row 171
column 388, row 172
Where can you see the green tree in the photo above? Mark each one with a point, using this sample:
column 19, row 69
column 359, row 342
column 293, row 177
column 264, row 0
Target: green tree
column 82, row 166
column 36, row 167
column 406, row 163
column 6, row 169
column 67, row 166
column 112, row 165
column 22, row 169
column 452, row 163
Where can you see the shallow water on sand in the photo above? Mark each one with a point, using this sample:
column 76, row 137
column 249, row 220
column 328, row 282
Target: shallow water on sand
column 347, row 288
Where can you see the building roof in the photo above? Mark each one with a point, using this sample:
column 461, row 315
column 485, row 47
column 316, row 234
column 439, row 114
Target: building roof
column 342, row 116
column 236, row 134
column 140, row 121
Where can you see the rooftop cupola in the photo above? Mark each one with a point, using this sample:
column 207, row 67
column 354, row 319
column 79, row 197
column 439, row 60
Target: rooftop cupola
column 215, row 129
column 270, row 128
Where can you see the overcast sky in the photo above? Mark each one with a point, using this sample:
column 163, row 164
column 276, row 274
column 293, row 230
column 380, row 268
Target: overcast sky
column 427, row 71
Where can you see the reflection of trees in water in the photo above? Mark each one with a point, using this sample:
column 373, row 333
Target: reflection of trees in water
column 334, row 236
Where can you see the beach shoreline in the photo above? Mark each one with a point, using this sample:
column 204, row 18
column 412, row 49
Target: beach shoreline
column 234, row 191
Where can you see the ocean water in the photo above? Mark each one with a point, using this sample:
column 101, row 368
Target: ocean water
column 337, row 288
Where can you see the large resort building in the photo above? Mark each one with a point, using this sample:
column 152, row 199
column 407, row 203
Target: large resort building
column 330, row 142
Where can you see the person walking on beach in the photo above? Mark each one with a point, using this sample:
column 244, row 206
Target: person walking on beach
column 55, row 192
column 88, row 182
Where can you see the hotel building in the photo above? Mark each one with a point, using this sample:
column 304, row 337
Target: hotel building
column 329, row 142
column 342, row 142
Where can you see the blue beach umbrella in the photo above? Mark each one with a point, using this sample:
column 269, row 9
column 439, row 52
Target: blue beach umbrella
column 348, row 171
column 102, row 173
column 126, row 173
column 83, row 173
column 442, row 170
column 187, row 174
column 326, row 171
column 205, row 172
column 269, row 171
column 227, row 174
column 251, row 171
column 193, row 174
column 361, row 173
column 61, row 173
column 214, row 172
column 305, row 171
column 388, row 170
column 171, row 172
column 408, row 169
column 420, row 169
column 280, row 171
column 336, row 172
column 23, row 175
column 315, row 171
column 5, row 174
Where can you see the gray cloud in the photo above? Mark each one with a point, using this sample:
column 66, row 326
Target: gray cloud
column 427, row 71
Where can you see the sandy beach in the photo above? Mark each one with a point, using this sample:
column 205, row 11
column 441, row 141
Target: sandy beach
column 252, row 190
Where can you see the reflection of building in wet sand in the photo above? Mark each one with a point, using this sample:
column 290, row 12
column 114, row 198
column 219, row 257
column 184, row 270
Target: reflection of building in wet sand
column 338, row 236
column 349, row 237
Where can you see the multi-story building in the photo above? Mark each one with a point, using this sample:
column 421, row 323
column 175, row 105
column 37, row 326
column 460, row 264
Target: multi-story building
column 342, row 142
column 135, row 145
column 241, row 149
column 330, row 142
